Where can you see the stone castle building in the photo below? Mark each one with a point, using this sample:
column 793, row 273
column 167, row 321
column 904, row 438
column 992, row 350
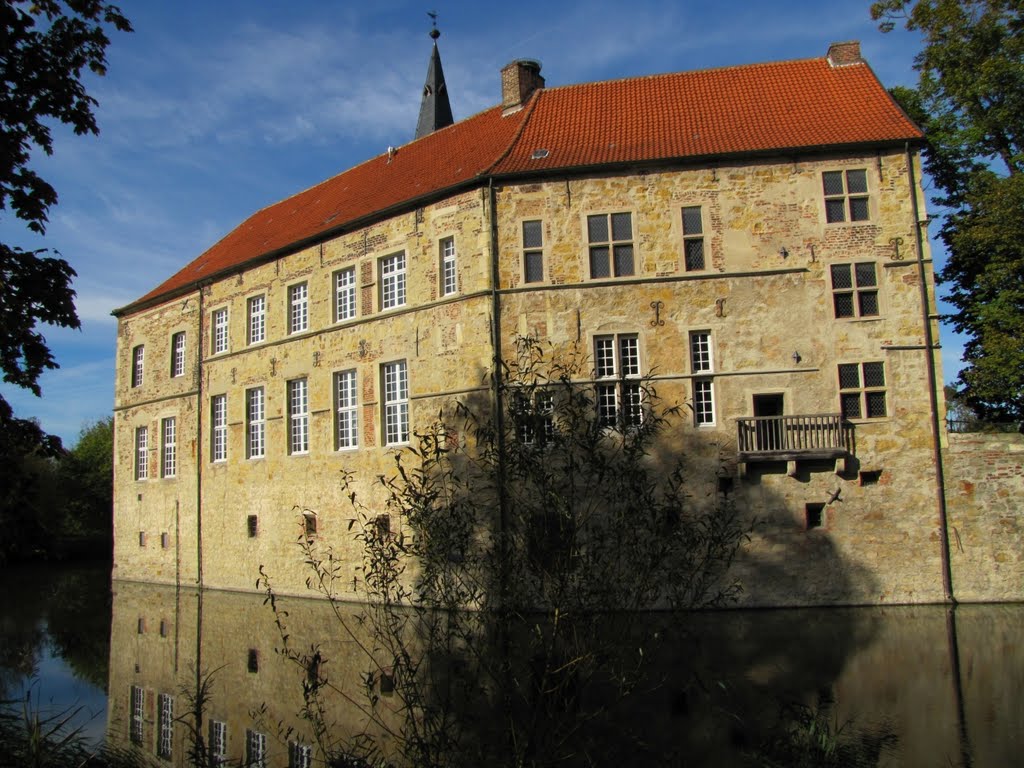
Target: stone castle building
column 752, row 238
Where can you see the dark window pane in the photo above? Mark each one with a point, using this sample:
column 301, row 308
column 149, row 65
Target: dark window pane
column 835, row 210
column 694, row 254
column 597, row 229
column 691, row 221
column 849, row 376
column 622, row 226
column 856, row 182
column 866, row 276
column 534, row 266
column 841, row 276
column 623, row 260
column 599, row 262
column 875, row 404
column 833, row 182
column 858, row 209
column 843, row 304
column 874, row 375
column 868, row 303
column 850, row 405
column 533, row 234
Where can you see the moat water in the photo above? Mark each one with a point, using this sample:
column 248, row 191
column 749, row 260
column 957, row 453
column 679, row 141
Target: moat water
column 895, row 686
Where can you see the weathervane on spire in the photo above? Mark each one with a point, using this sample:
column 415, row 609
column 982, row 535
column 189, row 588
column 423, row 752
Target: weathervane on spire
column 435, row 32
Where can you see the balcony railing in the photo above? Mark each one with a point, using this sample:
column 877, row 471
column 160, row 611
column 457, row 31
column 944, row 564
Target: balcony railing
column 787, row 438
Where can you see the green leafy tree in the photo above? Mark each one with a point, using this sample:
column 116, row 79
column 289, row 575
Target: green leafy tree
column 45, row 47
column 970, row 102
column 87, row 473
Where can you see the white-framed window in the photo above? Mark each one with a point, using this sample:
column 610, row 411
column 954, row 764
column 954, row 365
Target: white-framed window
column 846, row 195
column 617, row 371
column 255, row 423
column 862, row 390
column 220, row 330
column 535, row 422
column 854, row 289
column 138, row 365
column 702, row 362
column 610, row 238
column 218, row 742
column 255, row 749
column 219, row 428
column 178, row 355
column 298, row 416
column 693, row 239
column 299, row 755
column 344, row 294
column 449, row 280
column 396, row 403
column 533, row 251
column 392, row 281
column 169, row 435
column 257, row 319
column 298, row 308
column 346, row 403
column 136, row 705
column 141, row 453
column 165, row 725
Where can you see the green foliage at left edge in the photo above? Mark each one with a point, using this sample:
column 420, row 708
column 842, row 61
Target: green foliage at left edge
column 47, row 45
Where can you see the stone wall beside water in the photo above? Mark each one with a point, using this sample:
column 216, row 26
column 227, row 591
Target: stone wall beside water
column 984, row 492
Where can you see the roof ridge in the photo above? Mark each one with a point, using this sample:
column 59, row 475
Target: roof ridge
column 723, row 68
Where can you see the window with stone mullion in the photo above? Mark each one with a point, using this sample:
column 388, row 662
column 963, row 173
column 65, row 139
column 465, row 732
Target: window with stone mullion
column 610, row 238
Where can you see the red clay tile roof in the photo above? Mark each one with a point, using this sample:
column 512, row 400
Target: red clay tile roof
column 759, row 108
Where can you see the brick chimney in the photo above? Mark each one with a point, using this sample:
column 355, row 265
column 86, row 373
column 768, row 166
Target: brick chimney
column 519, row 79
column 840, row 54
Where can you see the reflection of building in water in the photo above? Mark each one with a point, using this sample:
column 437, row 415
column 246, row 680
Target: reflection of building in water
column 885, row 670
column 751, row 237
column 252, row 695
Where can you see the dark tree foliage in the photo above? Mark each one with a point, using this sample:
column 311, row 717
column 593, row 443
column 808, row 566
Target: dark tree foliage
column 970, row 103
column 45, row 47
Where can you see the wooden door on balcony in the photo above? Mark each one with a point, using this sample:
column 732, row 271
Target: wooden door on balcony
column 769, row 433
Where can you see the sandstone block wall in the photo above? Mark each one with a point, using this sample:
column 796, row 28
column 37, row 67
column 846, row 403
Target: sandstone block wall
column 985, row 496
column 765, row 297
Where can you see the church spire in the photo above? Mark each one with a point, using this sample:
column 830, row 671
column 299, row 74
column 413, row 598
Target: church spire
column 435, row 109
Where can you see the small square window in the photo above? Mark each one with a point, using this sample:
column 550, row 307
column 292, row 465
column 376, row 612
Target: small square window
column 862, row 390
column 854, row 290
column 814, row 515
column 309, row 523
column 846, row 195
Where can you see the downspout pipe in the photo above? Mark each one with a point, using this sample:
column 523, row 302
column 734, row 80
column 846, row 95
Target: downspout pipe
column 199, row 439
column 933, row 402
column 497, row 398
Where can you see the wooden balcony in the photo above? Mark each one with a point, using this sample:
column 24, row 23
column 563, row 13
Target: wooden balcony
column 791, row 438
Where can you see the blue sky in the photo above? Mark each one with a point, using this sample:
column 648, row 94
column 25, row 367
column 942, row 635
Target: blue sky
column 212, row 110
